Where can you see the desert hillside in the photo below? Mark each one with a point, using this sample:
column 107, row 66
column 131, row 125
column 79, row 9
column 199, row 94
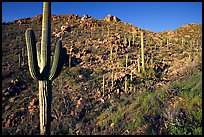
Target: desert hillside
column 103, row 88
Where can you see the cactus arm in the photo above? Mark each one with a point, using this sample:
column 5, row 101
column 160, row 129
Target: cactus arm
column 58, row 61
column 38, row 47
column 32, row 55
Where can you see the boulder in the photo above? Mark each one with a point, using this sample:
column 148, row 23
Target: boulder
column 111, row 18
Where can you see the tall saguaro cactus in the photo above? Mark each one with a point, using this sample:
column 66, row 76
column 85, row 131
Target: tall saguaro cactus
column 39, row 66
column 142, row 52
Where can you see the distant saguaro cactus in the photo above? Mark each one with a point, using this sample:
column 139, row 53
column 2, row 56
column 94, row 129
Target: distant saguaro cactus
column 167, row 42
column 129, row 42
column 182, row 40
column 138, row 65
column 104, row 85
column 125, row 41
column 20, row 58
column 126, row 61
column 133, row 38
column 70, row 60
column 131, row 79
column 46, row 74
column 111, row 53
column 108, row 31
column 125, row 84
column 142, row 51
column 112, row 77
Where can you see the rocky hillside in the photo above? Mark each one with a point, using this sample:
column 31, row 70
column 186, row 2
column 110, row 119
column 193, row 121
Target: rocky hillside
column 106, row 51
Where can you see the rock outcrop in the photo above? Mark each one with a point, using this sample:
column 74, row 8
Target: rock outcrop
column 112, row 18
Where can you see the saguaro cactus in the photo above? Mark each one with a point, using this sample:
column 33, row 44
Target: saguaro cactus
column 112, row 77
column 133, row 38
column 108, row 31
column 70, row 60
column 142, row 51
column 45, row 74
column 111, row 53
column 125, row 84
column 103, row 85
column 129, row 42
column 138, row 65
column 131, row 79
column 19, row 56
column 126, row 61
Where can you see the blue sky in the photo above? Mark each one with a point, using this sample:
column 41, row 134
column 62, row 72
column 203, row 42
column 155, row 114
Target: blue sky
column 155, row 16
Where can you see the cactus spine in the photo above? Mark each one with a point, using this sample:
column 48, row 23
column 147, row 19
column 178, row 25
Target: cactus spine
column 142, row 52
column 46, row 74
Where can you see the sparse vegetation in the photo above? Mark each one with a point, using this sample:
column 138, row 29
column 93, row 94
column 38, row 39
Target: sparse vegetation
column 102, row 88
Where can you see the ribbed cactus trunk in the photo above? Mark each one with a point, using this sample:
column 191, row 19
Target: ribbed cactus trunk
column 39, row 57
column 45, row 97
column 45, row 89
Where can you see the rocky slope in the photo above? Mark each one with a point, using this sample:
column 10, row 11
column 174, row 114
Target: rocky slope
column 79, row 105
